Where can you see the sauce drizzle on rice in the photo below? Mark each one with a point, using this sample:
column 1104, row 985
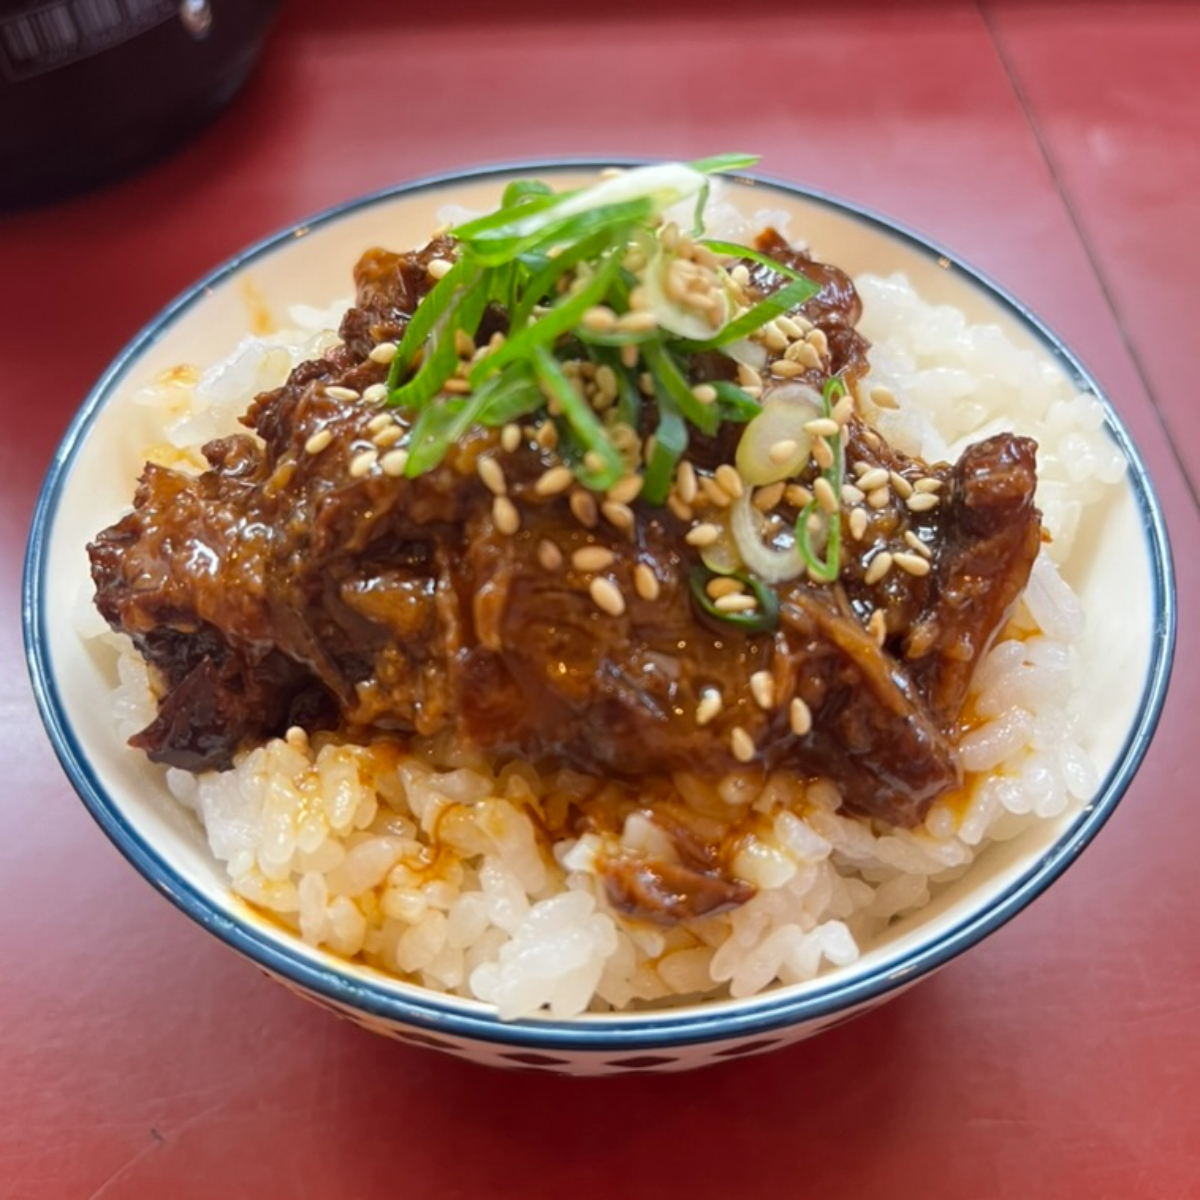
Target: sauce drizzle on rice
column 638, row 809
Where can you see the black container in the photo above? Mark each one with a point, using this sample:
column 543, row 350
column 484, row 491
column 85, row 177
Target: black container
column 91, row 89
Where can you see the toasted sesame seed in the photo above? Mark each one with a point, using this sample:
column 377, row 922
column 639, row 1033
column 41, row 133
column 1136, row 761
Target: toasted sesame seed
column 685, row 482
column 455, row 386
column 669, row 236
column 388, row 436
column 383, row 353
column 554, row 480
column 765, row 498
column 547, row 435
column 792, row 328
column 626, row 489
column 920, row 502
column 883, row 397
column 629, row 356
column 902, row 487
column 879, row 497
column 742, row 744
column 705, row 393
column 799, row 716
column 510, row 437
column 843, row 410
column 584, row 509
column 740, row 274
column 784, row 368
column 439, row 268
column 730, row 481
column 928, row 484
column 877, row 626
column 606, row 379
column 876, row 477
column 683, row 511
column 851, row 495
column 703, row 535
column 822, row 453
column 858, row 523
column 549, row 555
column 823, row 427
column 361, row 464
column 797, row 495
column 735, row 602
column 505, row 516
column 382, row 421
column 710, row 706
column 773, row 337
column 724, row 585
column 762, row 688
column 637, row 298
column 645, row 582
column 748, row 376
column 807, row 355
column 915, row 542
column 818, row 341
column 492, row 474
column 593, row 461
column 599, row 319
column 607, row 596
column 592, row 558
column 645, row 382
column 377, row 393
column 714, row 493
column 620, row 516
column 318, row 441
column 914, row 564
column 337, row 392
column 393, row 463
column 782, row 450
column 636, row 322
column 872, row 439
column 860, row 468
column 824, row 494
column 880, row 565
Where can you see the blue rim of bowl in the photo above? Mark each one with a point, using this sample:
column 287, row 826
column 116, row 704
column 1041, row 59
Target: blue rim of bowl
column 652, row 1030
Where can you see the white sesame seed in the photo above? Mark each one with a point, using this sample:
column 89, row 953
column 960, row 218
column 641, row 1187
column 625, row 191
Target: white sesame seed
column 388, row 436
column 823, row 427
column 851, row 495
column 709, row 706
column 799, row 717
column 748, row 377
column 822, row 453
column 626, row 489
column 505, row 516
column 723, row 585
column 730, row 481
column 781, row 450
column 714, row 493
column 806, row 355
column 858, row 523
column 492, row 475
column 318, row 441
column 636, row 322
column 377, row 393
column 843, row 410
column 455, row 386
column 880, row 565
column 510, row 437
column 592, row 558
column 685, row 482
column 765, row 498
column 554, row 480
column 915, row 542
column 394, row 462
column 383, row 353
column 762, row 688
column 703, row 535
column 705, row 393
column 617, row 515
column 547, row 435
column 549, row 555
column 869, row 480
column 735, row 602
column 797, row 495
column 902, row 487
column 337, row 392
column 382, row 421
column 583, row 508
column 683, row 511
column 920, row 502
column 742, row 744
column 792, row 328
column 785, row 368
column 879, row 498
column 824, row 494
column 439, row 268
column 818, row 341
column 629, row 356
column 607, row 596
column 914, row 564
column 599, row 319
column 877, row 626
column 883, row 397
column 645, row 582
column 593, row 461
column 361, row 464
column 928, row 484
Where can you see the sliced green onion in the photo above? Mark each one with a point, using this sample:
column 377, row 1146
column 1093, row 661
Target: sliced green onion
column 584, row 423
column 520, row 190
column 765, row 619
column 441, row 298
column 724, row 162
column 733, row 403
column 670, row 442
column 705, row 417
column 542, row 283
column 788, row 297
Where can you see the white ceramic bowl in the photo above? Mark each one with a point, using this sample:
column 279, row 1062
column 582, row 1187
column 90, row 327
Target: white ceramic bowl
column 90, row 483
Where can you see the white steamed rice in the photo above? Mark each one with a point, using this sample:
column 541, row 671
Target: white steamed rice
column 430, row 867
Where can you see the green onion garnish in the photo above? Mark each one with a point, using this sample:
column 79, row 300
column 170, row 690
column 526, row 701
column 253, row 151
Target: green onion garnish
column 825, row 569
column 765, row 618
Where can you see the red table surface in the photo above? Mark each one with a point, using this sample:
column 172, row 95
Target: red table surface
column 1055, row 146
